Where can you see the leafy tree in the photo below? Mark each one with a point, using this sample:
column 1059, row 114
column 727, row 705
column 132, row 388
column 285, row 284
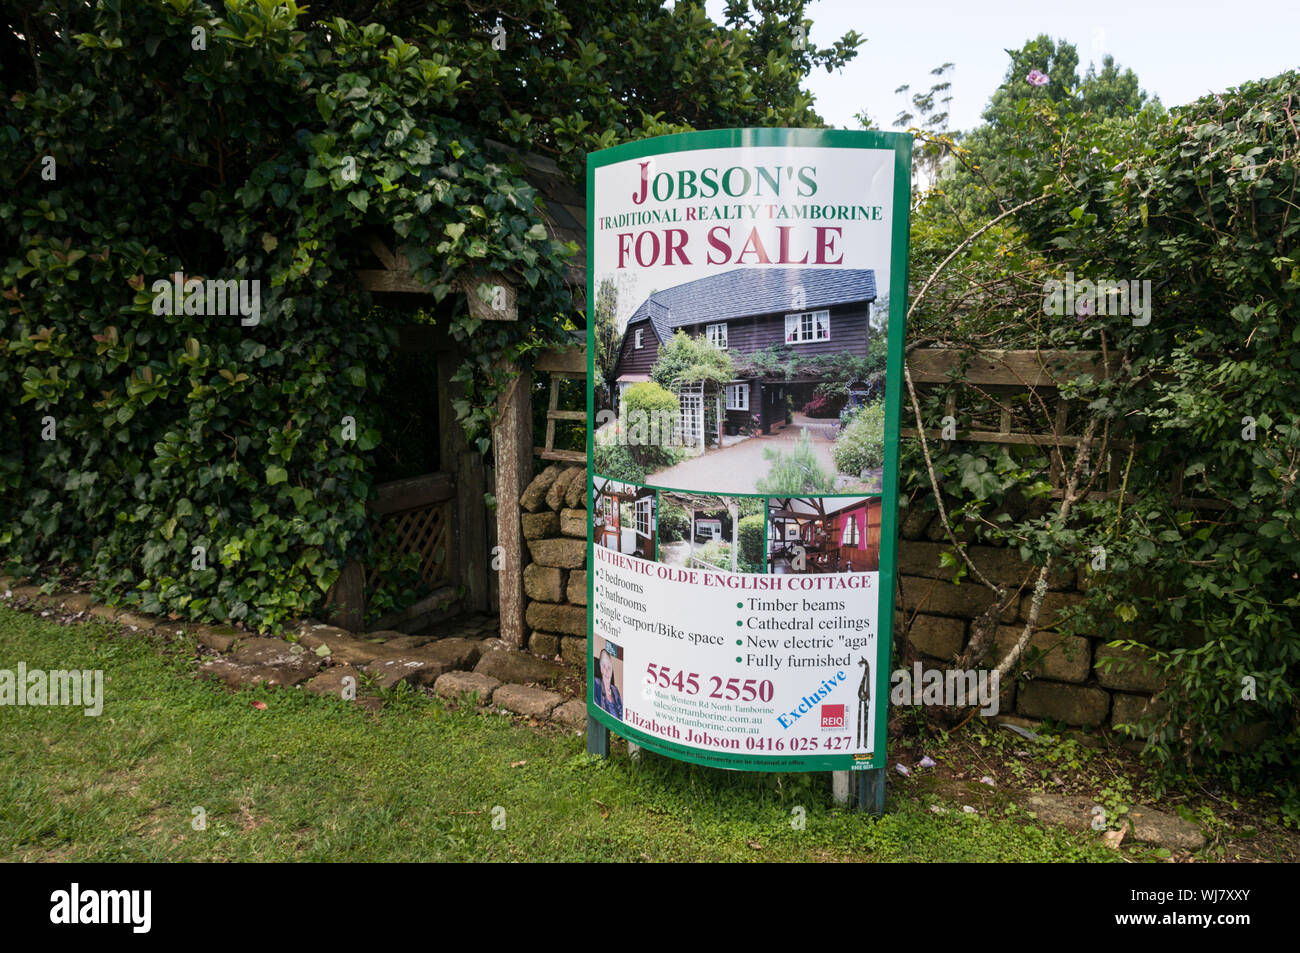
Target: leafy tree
column 1192, row 558
column 263, row 141
column 932, row 111
column 609, row 340
column 1010, row 157
column 673, row 522
column 688, row 359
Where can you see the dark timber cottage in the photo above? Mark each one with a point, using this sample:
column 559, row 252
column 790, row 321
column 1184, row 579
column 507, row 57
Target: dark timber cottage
column 810, row 311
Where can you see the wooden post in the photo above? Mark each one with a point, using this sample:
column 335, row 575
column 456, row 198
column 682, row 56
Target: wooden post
column 513, row 450
column 347, row 606
column 733, row 511
column 841, row 786
column 690, row 553
column 465, row 464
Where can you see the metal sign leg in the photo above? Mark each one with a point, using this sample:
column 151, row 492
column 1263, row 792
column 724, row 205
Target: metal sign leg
column 870, row 791
column 597, row 738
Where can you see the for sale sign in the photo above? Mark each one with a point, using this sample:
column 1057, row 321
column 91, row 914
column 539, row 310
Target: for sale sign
column 745, row 341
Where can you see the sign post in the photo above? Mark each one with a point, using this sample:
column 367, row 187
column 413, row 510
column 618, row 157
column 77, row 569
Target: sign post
column 743, row 447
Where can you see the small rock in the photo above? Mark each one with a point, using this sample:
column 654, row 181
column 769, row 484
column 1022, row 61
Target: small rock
column 526, row 700
column 404, row 642
column 453, row 653
column 78, row 602
column 456, row 684
column 517, row 667
column 390, row 671
column 263, row 662
column 572, row 713
column 330, row 682
column 1165, row 830
column 219, row 637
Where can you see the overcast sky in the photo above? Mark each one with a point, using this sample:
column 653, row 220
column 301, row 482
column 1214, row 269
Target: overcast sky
column 1180, row 49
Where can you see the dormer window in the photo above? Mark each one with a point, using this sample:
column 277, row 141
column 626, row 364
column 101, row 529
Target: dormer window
column 717, row 335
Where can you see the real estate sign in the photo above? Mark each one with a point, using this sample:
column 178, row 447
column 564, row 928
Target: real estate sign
column 746, row 293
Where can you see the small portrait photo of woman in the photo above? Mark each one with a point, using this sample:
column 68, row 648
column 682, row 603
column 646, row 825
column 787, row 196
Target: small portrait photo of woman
column 609, row 672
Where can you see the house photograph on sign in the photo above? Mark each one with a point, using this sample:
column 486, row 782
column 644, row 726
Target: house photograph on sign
column 778, row 375
column 625, row 518
column 823, row 534
column 708, row 531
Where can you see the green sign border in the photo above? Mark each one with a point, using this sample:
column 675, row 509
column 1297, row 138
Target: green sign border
column 901, row 145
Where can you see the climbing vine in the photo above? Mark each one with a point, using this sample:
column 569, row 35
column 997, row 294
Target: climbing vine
column 189, row 373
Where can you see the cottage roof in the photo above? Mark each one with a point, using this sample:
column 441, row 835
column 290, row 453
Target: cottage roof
column 743, row 292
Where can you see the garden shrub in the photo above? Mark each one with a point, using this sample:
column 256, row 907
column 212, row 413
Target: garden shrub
column 715, row 553
column 1201, row 202
column 751, row 532
column 798, row 471
column 614, row 460
column 860, row 446
column 674, row 522
column 822, row 406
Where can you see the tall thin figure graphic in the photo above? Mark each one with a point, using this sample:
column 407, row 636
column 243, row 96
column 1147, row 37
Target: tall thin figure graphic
column 864, row 701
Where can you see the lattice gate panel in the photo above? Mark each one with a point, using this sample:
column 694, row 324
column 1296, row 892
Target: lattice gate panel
column 425, row 531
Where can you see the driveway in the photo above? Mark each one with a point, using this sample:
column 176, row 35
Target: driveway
column 674, row 554
column 737, row 468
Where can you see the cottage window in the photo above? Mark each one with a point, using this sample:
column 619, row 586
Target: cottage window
column 804, row 326
column 717, row 335
column 738, row 396
column 636, row 338
column 643, row 517
column 850, row 535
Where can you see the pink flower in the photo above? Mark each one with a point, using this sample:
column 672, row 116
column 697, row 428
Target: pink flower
column 1035, row 78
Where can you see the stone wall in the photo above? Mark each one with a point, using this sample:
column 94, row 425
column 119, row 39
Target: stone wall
column 555, row 580
column 1070, row 682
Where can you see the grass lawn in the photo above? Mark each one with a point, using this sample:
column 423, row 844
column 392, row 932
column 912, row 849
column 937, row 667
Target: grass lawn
column 316, row 779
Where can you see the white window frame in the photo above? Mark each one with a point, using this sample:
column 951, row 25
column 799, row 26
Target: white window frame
column 636, row 339
column 738, row 396
column 850, row 537
column 716, row 334
column 805, row 327
column 642, row 513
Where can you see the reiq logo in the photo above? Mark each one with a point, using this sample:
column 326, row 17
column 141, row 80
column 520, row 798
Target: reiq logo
column 76, row 906
column 833, row 717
